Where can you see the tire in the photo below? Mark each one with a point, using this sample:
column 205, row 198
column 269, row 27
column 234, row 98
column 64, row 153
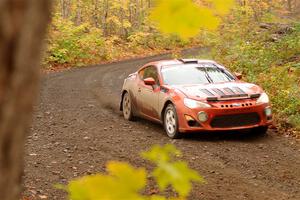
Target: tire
column 171, row 122
column 127, row 107
column 262, row 130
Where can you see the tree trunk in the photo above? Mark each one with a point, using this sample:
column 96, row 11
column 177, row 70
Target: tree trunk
column 104, row 18
column 22, row 27
column 65, row 8
column 289, row 2
column 297, row 7
column 78, row 13
column 96, row 13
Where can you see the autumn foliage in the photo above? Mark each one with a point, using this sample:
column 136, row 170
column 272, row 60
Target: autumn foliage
column 123, row 181
column 94, row 31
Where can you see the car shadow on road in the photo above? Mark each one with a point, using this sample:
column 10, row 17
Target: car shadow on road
column 239, row 136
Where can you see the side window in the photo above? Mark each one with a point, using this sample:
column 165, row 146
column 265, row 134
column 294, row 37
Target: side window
column 151, row 72
column 141, row 74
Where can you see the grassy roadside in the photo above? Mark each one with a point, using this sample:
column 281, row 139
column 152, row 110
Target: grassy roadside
column 127, row 55
column 269, row 55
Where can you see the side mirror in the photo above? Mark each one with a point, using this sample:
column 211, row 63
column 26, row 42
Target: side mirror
column 149, row 81
column 238, row 75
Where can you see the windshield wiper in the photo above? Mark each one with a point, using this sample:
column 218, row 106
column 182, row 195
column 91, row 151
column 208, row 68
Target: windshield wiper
column 207, row 76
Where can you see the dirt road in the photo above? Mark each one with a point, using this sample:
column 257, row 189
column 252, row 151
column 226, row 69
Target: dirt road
column 77, row 128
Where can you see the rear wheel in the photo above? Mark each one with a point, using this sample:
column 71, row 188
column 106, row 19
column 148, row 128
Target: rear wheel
column 171, row 122
column 127, row 107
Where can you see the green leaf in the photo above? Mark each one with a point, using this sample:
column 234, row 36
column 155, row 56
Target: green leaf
column 161, row 153
column 169, row 172
column 178, row 175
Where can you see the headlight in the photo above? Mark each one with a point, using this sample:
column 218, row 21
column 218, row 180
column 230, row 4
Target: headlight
column 190, row 103
column 263, row 99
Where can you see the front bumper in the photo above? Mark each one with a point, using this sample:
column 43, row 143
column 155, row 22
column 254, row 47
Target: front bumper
column 223, row 116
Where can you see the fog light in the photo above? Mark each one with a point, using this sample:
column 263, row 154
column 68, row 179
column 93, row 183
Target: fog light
column 202, row 116
column 191, row 121
column 189, row 118
column 268, row 111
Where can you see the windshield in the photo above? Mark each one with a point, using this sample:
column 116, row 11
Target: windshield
column 194, row 74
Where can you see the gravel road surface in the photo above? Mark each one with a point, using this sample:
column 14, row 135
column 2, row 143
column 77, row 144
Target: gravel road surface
column 77, row 128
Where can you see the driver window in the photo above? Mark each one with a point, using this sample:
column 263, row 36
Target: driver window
column 141, row 74
column 151, row 72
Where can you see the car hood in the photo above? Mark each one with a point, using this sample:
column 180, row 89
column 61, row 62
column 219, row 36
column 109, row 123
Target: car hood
column 230, row 90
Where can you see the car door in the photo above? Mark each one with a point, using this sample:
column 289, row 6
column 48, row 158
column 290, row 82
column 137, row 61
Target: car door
column 148, row 95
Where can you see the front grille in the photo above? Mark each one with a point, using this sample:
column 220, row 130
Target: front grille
column 236, row 105
column 226, row 121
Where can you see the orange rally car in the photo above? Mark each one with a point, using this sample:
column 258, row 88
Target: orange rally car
column 189, row 95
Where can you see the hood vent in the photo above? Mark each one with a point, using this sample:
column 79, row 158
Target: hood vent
column 239, row 90
column 218, row 91
column 230, row 91
column 207, row 92
column 224, row 93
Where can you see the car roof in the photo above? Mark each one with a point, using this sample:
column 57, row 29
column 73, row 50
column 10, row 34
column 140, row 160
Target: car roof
column 162, row 63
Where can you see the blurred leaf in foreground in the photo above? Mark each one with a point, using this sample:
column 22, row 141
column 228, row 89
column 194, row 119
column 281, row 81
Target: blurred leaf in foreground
column 124, row 181
column 185, row 18
column 221, row 7
column 170, row 171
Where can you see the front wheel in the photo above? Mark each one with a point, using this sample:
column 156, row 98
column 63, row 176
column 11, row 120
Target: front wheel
column 171, row 122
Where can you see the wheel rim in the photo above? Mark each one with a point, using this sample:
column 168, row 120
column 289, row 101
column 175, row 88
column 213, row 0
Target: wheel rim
column 170, row 122
column 126, row 106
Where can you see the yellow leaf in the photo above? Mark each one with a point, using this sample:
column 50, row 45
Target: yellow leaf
column 124, row 172
column 122, row 182
column 185, row 18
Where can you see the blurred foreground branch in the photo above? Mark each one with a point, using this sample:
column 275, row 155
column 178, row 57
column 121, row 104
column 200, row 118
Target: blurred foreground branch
column 22, row 28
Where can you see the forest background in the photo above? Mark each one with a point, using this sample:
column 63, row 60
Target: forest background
column 260, row 39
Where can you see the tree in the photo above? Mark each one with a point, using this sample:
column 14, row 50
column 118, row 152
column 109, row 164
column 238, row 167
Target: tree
column 65, row 8
column 23, row 24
